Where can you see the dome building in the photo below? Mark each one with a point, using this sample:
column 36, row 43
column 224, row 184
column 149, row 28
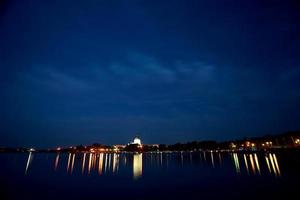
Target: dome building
column 136, row 140
column 135, row 145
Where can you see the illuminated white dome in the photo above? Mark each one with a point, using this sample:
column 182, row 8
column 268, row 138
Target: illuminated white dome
column 137, row 141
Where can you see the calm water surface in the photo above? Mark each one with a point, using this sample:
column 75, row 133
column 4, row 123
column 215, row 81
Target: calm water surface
column 186, row 175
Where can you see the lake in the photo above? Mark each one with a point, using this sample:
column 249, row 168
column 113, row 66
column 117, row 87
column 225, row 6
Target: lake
column 159, row 175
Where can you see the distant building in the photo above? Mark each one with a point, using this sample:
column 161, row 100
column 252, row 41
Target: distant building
column 137, row 141
column 135, row 145
column 118, row 147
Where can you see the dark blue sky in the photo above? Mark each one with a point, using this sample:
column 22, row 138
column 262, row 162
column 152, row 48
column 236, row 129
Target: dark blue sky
column 75, row 72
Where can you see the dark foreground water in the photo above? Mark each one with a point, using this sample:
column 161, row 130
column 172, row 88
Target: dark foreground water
column 187, row 175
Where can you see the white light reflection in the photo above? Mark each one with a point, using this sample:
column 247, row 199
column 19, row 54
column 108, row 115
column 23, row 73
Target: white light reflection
column 137, row 166
column 246, row 164
column 114, row 163
column 83, row 163
column 69, row 160
column 272, row 164
column 236, row 163
column 204, row 155
column 220, row 158
column 90, row 163
column 72, row 165
column 256, row 163
column 276, row 164
column 252, row 164
column 105, row 163
column 212, row 159
column 56, row 161
column 268, row 164
column 100, row 164
column 29, row 160
column 109, row 161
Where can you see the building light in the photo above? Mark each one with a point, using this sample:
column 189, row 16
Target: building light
column 248, row 144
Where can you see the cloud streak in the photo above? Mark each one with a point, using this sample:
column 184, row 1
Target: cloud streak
column 50, row 78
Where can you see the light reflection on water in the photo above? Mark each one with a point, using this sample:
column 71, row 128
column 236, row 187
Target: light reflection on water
column 56, row 161
column 236, row 163
column 29, row 160
column 110, row 163
column 137, row 165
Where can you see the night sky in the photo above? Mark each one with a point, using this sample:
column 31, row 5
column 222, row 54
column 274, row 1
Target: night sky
column 80, row 72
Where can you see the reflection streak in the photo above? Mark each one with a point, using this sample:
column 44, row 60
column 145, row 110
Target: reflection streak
column 276, row 164
column 137, row 166
column 90, row 163
column 69, row 159
column 256, row 162
column 72, row 165
column 268, row 164
column 220, row 159
column 252, row 164
column 29, row 160
column 100, row 164
column 272, row 164
column 212, row 159
column 246, row 164
column 83, row 163
column 236, row 162
column 56, row 161
column 110, row 162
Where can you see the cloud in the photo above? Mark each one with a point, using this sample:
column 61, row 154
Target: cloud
column 50, row 78
column 196, row 71
column 138, row 68
column 141, row 68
